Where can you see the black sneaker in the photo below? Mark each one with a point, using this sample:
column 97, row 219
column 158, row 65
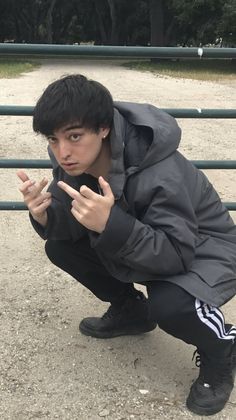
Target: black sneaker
column 211, row 391
column 127, row 318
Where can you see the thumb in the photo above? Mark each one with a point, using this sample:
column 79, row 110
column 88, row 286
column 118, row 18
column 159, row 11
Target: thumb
column 106, row 189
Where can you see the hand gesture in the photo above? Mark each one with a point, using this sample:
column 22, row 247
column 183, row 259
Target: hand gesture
column 36, row 200
column 92, row 210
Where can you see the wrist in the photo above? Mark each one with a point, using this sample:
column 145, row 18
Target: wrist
column 41, row 219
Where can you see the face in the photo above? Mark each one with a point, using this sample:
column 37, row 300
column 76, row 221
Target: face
column 77, row 149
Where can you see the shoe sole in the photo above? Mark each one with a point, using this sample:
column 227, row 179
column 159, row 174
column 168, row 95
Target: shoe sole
column 117, row 333
column 203, row 411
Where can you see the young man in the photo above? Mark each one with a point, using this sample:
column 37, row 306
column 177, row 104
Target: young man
column 126, row 207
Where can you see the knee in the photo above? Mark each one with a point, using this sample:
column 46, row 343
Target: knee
column 165, row 305
column 161, row 312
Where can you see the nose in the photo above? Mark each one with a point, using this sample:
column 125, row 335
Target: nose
column 64, row 150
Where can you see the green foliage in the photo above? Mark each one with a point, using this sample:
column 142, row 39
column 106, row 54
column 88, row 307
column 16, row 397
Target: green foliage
column 227, row 26
column 214, row 70
column 199, row 21
column 185, row 22
column 14, row 67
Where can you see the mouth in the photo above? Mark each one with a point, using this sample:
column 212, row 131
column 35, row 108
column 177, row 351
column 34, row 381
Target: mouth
column 69, row 165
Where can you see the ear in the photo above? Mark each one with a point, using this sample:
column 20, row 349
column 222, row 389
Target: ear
column 104, row 132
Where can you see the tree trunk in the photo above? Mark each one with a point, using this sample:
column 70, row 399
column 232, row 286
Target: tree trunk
column 156, row 23
column 103, row 35
column 169, row 32
column 114, row 22
column 49, row 34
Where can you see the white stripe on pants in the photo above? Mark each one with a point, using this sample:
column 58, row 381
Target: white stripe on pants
column 214, row 319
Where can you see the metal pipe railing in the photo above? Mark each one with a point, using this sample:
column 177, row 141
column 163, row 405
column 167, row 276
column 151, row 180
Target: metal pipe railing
column 17, row 205
column 17, row 110
column 46, row 164
column 44, row 50
column 114, row 51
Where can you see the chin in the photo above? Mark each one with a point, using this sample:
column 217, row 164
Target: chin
column 74, row 172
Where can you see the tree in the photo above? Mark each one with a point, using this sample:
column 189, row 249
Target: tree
column 114, row 5
column 66, row 25
column 50, row 6
column 31, row 20
column 227, row 25
column 101, row 25
column 156, row 22
column 6, row 23
column 197, row 22
column 119, row 22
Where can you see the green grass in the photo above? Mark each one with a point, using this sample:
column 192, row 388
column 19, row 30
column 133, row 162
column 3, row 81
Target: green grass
column 214, row 70
column 10, row 67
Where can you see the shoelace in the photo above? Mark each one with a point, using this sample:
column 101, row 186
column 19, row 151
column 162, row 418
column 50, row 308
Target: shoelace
column 112, row 311
column 197, row 357
column 123, row 308
column 212, row 372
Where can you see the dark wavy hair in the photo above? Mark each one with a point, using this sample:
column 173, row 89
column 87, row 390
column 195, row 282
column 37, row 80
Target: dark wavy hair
column 71, row 99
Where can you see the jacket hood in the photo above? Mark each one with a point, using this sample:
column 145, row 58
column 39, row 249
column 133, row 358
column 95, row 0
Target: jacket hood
column 164, row 132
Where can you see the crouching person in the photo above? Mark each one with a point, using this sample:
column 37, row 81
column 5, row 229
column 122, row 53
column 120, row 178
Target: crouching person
column 126, row 207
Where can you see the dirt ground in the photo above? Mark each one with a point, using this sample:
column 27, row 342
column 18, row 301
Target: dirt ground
column 48, row 369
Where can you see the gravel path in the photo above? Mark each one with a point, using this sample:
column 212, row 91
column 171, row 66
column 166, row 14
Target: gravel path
column 48, row 369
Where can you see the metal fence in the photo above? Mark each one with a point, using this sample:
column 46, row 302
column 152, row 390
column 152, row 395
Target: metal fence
column 42, row 51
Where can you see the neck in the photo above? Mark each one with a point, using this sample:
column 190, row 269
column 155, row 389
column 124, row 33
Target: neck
column 103, row 162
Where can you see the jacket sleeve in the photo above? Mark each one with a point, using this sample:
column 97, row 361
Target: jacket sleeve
column 161, row 242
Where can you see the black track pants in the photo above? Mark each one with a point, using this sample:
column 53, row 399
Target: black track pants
column 176, row 311
column 81, row 262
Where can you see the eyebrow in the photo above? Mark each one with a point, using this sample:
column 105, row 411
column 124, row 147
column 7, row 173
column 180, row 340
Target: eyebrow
column 71, row 127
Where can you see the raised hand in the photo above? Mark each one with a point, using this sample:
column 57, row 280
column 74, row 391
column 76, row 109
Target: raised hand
column 36, row 200
column 92, row 210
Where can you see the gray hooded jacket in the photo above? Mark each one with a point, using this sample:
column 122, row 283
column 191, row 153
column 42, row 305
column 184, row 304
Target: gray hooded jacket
column 167, row 222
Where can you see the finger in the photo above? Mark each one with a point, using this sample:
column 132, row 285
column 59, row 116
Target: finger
column 32, row 189
column 87, row 192
column 69, row 190
column 42, row 184
column 77, row 215
column 106, row 189
column 36, row 189
column 41, row 207
column 77, row 206
column 30, row 186
column 40, row 199
column 22, row 175
column 25, row 187
column 37, row 201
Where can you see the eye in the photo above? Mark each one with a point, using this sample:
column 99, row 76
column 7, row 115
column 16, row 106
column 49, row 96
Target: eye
column 75, row 137
column 51, row 140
